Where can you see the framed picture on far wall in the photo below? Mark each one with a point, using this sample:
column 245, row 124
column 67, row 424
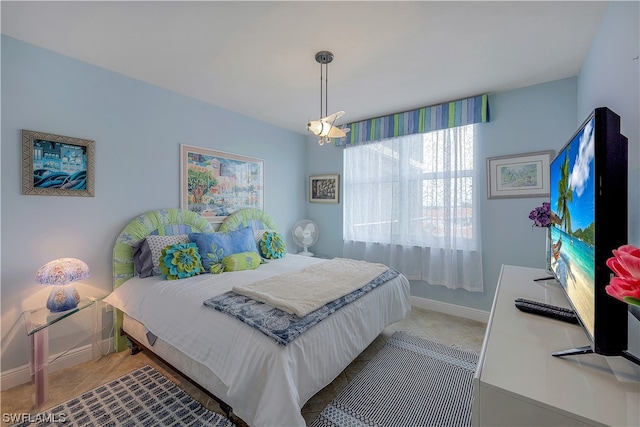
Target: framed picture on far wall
column 56, row 165
column 215, row 184
column 520, row 175
column 324, row 188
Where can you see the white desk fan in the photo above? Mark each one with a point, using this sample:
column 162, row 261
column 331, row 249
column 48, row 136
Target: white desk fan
column 305, row 234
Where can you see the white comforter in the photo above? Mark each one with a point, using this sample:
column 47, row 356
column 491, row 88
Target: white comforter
column 306, row 290
column 268, row 383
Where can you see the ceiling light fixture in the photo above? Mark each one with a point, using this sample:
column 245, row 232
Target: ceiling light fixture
column 325, row 127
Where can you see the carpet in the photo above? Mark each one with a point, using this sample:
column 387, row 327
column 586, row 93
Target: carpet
column 143, row 397
column 411, row 381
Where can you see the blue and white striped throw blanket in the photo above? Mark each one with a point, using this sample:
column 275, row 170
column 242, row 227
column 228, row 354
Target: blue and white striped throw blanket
column 279, row 325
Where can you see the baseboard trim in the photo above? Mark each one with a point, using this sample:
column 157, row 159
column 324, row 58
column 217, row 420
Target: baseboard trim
column 452, row 309
column 21, row 375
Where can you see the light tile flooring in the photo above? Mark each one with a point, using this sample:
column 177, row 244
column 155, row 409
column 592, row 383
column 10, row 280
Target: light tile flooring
column 450, row 330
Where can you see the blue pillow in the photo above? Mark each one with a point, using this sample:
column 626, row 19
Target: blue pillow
column 214, row 247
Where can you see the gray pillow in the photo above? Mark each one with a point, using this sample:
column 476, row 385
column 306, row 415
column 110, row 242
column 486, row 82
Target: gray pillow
column 146, row 252
column 142, row 262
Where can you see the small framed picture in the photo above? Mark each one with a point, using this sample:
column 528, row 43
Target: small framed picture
column 324, row 188
column 520, row 175
column 56, row 165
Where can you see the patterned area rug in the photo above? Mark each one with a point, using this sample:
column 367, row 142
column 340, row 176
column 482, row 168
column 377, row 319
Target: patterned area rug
column 143, row 397
column 410, row 382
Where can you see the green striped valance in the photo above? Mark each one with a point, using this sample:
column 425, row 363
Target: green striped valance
column 426, row 119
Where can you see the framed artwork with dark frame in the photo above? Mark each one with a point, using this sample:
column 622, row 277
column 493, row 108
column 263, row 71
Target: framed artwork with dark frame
column 56, row 165
column 215, row 184
column 520, row 175
column 324, row 188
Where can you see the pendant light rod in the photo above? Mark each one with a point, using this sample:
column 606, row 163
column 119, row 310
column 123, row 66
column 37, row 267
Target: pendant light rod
column 321, row 91
column 324, row 127
column 324, row 57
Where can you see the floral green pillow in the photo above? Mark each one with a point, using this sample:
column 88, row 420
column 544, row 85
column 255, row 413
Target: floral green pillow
column 241, row 261
column 271, row 245
column 180, row 261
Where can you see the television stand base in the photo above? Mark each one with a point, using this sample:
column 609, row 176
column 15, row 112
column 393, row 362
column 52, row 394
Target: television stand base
column 540, row 279
column 572, row 351
column 631, row 357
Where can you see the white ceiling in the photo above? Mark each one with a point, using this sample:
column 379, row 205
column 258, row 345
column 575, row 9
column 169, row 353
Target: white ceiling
column 258, row 58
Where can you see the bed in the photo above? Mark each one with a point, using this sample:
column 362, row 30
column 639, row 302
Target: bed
column 265, row 382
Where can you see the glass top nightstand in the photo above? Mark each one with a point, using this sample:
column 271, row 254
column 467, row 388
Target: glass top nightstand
column 37, row 322
column 40, row 318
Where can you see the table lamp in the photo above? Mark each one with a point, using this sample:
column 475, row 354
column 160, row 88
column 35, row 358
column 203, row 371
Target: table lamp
column 61, row 273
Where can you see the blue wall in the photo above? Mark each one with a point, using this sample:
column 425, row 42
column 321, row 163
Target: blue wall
column 138, row 129
column 610, row 76
column 536, row 118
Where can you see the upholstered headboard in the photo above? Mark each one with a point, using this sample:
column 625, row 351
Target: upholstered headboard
column 170, row 222
column 254, row 218
column 160, row 222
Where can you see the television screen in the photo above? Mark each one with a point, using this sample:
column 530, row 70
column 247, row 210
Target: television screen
column 573, row 222
column 588, row 196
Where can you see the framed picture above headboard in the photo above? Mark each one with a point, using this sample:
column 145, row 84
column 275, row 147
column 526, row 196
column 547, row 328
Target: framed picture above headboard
column 216, row 184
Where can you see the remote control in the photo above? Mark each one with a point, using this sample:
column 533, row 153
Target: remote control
column 542, row 304
column 547, row 310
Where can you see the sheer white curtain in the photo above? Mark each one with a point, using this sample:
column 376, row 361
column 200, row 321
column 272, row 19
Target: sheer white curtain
column 412, row 203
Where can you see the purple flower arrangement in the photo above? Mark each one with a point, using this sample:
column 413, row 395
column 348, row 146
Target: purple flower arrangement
column 541, row 215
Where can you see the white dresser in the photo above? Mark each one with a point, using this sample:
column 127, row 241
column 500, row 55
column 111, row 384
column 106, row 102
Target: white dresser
column 519, row 383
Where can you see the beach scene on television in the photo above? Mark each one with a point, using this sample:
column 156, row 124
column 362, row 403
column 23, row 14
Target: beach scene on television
column 572, row 222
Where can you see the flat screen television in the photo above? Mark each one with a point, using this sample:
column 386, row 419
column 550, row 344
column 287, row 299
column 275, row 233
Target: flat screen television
column 588, row 220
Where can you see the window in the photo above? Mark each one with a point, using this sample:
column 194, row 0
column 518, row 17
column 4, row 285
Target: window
column 411, row 202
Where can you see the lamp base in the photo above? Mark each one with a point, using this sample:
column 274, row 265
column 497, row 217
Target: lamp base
column 63, row 298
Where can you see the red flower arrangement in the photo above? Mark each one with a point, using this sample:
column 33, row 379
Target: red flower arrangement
column 625, row 263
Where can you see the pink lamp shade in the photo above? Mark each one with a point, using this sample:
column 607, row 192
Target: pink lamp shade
column 61, row 273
